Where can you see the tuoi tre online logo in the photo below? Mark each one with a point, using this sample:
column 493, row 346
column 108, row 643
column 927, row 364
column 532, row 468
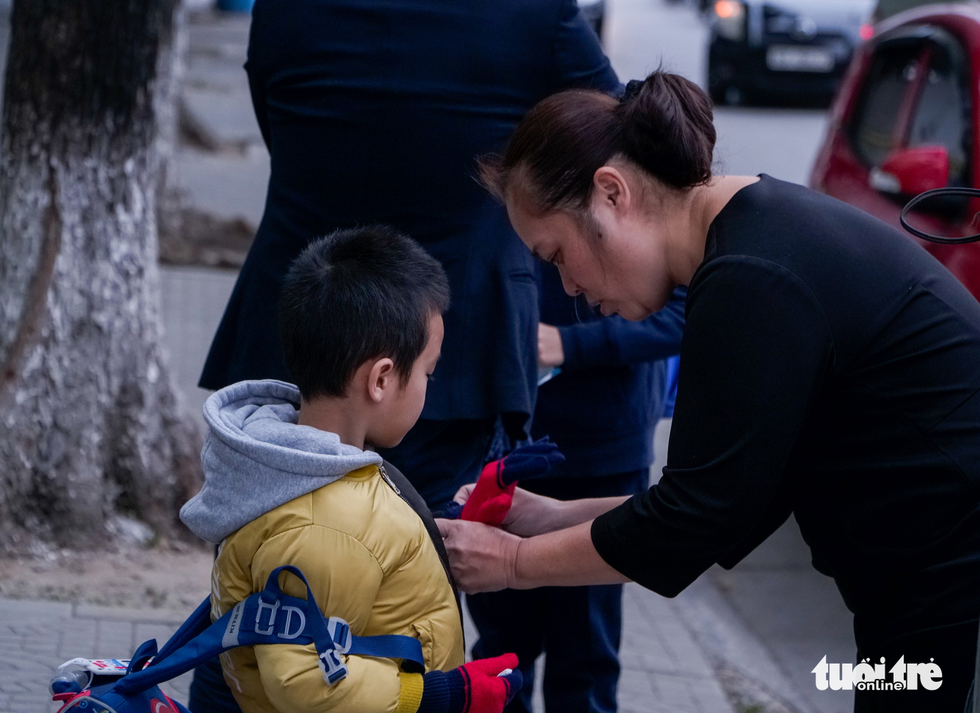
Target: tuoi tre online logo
column 865, row 677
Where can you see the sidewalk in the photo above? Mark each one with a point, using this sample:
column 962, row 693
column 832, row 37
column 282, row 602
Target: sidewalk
column 664, row 671
column 37, row 636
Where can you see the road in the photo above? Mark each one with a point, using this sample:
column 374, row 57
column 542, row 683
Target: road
column 774, row 597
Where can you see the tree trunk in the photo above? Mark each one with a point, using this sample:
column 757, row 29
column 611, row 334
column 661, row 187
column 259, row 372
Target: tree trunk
column 172, row 68
column 90, row 425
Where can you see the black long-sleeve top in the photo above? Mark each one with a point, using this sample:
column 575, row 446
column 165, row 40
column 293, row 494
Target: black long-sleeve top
column 830, row 367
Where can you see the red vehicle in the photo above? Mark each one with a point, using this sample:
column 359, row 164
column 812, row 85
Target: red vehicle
column 905, row 121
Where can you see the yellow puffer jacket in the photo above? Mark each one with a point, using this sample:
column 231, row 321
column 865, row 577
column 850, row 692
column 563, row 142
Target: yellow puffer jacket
column 369, row 560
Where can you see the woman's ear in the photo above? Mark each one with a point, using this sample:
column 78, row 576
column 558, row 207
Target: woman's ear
column 611, row 189
column 381, row 378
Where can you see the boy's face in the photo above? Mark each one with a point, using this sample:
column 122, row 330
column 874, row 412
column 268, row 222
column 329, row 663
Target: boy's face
column 409, row 397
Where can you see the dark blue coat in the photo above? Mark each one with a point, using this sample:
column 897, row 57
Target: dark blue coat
column 603, row 407
column 374, row 111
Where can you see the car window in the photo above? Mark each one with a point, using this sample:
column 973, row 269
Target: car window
column 875, row 128
column 941, row 116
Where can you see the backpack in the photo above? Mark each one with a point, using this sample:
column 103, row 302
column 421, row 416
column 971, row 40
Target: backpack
column 266, row 617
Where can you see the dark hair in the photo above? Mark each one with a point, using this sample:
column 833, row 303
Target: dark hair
column 665, row 127
column 352, row 296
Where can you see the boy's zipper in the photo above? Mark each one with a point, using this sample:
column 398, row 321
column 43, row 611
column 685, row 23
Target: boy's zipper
column 391, row 484
column 445, row 566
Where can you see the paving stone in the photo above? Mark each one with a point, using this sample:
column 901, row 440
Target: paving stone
column 709, row 697
column 635, row 684
column 674, row 693
column 219, row 34
column 225, row 186
column 31, row 704
column 15, row 610
column 101, row 613
column 221, row 120
column 215, row 73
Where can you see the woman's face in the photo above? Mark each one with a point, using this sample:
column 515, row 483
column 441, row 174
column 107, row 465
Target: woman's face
column 622, row 270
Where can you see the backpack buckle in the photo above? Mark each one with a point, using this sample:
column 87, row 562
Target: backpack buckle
column 273, row 610
column 339, row 631
column 333, row 668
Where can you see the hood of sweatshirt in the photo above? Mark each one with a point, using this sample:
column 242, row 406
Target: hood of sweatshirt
column 256, row 457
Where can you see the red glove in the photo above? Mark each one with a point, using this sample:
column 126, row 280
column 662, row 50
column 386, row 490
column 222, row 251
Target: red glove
column 481, row 686
column 491, row 498
column 494, row 491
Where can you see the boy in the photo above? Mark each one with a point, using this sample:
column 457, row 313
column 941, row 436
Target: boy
column 288, row 481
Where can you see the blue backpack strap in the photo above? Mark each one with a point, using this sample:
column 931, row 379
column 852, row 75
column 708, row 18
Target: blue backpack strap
column 271, row 617
column 195, row 625
column 146, row 651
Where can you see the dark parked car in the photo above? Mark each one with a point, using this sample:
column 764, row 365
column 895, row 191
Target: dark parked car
column 905, row 121
column 772, row 49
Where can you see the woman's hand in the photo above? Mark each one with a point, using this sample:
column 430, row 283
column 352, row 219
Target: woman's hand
column 550, row 350
column 529, row 514
column 483, row 558
column 487, row 559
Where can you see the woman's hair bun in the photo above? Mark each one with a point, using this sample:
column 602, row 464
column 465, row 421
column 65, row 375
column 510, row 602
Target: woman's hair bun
column 667, row 129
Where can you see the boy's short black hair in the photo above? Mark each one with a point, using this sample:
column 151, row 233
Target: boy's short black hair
column 356, row 295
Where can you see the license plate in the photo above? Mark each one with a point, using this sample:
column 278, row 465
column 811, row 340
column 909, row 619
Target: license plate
column 799, row 59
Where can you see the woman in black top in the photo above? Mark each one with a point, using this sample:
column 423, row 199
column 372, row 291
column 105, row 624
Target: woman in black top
column 830, row 368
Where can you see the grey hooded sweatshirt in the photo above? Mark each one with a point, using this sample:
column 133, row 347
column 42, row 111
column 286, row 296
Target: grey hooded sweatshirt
column 256, row 457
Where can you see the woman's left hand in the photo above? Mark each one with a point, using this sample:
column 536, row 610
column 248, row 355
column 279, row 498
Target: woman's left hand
column 483, row 558
column 550, row 349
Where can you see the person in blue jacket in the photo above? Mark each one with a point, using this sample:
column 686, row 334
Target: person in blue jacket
column 376, row 113
column 601, row 411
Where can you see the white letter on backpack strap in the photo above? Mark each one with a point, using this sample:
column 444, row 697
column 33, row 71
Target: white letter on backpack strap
column 289, row 615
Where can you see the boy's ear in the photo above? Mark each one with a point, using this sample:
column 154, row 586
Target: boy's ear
column 380, row 378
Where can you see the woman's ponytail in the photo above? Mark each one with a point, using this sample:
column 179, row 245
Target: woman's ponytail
column 663, row 125
column 667, row 129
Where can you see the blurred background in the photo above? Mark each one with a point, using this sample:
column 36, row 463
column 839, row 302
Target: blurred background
column 869, row 102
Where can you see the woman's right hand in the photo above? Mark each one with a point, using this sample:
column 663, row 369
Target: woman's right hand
column 529, row 515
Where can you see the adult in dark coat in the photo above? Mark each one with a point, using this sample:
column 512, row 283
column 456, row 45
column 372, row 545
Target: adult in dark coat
column 375, row 113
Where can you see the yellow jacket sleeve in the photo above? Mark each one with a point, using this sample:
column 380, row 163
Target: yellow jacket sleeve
column 344, row 576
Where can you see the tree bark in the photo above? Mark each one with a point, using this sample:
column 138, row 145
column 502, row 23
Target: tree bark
column 90, row 424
